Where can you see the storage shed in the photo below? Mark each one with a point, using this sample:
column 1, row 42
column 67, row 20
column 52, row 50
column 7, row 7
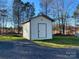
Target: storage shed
column 39, row 27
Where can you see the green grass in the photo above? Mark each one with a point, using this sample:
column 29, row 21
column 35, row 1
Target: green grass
column 11, row 38
column 59, row 42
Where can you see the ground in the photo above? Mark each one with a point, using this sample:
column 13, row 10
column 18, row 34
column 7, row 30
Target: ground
column 12, row 47
column 60, row 42
column 29, row 50
column 56, row 42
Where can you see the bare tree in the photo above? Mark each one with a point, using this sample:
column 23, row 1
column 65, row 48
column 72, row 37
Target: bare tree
column 45, row 6
column 76, row 16
column 17, row 5
column 59, row 11
column 3, row 15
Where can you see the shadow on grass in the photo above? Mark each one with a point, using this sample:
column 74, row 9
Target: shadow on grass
column 63, row 40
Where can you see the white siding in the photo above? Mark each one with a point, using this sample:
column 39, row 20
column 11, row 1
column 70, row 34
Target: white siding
column 34, row 27
column 26, row 30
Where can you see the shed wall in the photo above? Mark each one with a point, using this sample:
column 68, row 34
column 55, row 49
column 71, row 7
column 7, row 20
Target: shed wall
column 34, row 27
column 26, row 30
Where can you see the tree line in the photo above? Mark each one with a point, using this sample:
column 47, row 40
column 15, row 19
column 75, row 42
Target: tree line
column 20, row 13
column 55, row 9
column 60, row 11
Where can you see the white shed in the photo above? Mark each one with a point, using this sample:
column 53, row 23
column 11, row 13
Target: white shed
column 39, row 27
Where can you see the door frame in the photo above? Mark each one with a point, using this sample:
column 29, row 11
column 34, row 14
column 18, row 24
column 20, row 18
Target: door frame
column 45, row 30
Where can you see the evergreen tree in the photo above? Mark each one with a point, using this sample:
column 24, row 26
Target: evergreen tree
column 19, row 10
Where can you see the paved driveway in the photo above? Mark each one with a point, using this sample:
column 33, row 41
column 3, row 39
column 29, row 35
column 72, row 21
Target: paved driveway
column 29, row 50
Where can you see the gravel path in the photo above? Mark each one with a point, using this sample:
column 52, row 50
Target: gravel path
column 29, row 50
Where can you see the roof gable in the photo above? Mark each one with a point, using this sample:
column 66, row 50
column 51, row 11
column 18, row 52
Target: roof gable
column 39, row 16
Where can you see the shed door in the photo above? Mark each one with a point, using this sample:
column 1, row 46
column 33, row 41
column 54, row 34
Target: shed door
column 42, row 30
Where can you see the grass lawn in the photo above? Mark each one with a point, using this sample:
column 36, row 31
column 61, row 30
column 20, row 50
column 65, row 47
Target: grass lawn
column 10, row 38
column 59, row 42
